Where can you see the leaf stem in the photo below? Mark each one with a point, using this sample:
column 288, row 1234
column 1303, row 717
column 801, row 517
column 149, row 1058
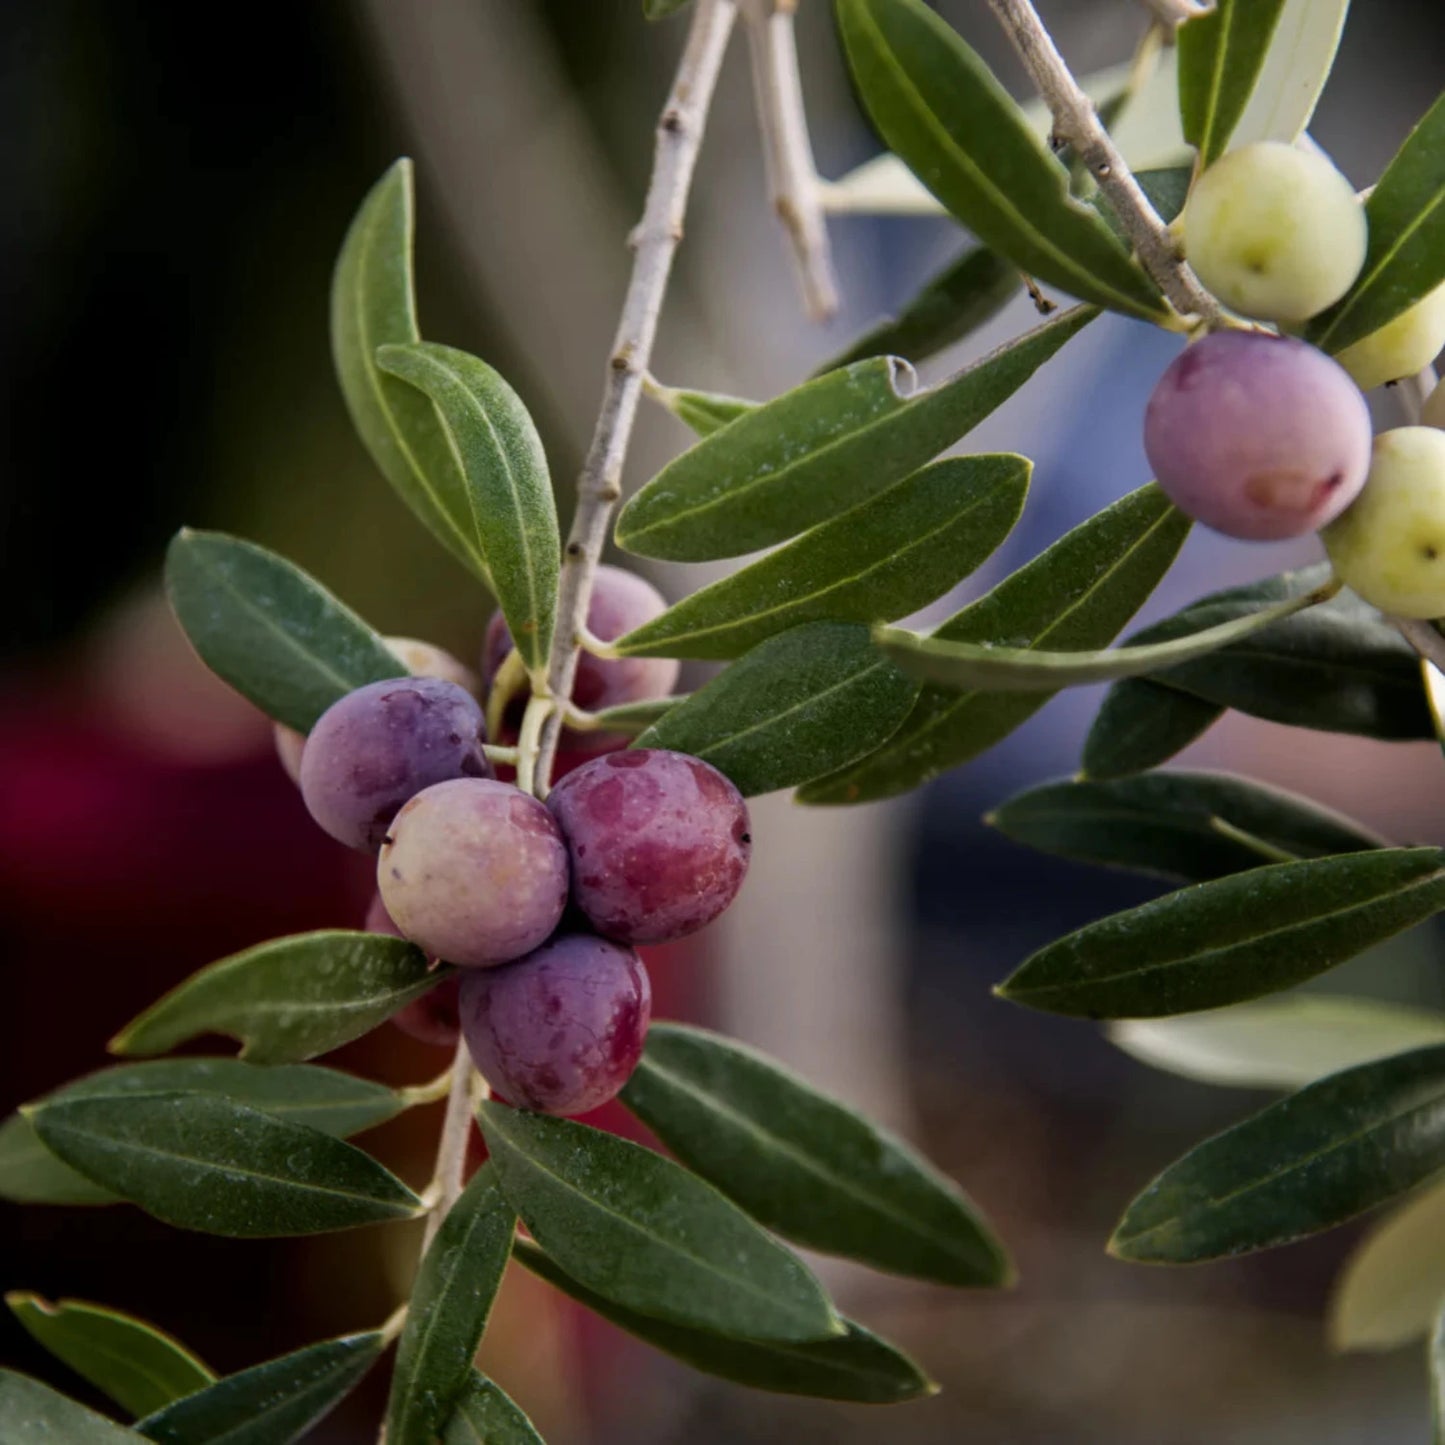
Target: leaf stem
column 654, row 243
column 1077, row 122
column 392, row 1327
column 429, row 1093
column 446, row 1184
column 788, row 152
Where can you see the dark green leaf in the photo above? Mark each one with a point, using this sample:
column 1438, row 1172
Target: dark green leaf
column 855, row 1366
column 798, row 705
column 336, row 1103
column 289, row 999
column 820, row 449
column 939, row 108
column 271, row 1404
column 34, row 1414
column 373, row 304
column 506, row 504
column 642, row 1231
column 1141, row 724
column 199, row 1161
column 135, row 1364
column 959, row 299
column 31, row 1174
column 806, row 1166
column 270, row 631
column 989, row 667
column 1077, row 594
column 1221, row 54
column 450, row 1302
column 1167, row 823
column 1313, row 1160
column 1233, row 938
column 661, row 9
column 1406, row 256
column 1338, row 667
column 881, row 560
column 485, row 1415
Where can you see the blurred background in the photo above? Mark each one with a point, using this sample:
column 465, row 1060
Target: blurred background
column 176, row 188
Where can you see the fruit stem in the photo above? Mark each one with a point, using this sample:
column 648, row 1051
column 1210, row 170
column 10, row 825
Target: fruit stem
column 1077, row 122
column 654, row 243
column 787, row 150
column 496, row 753
column 539, row 709
column 428, row 1093
column 509, row 682
column 446, row 1184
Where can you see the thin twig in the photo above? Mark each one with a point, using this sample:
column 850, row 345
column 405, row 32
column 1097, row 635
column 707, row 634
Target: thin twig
column 1423, row 638
column 792, row 174
column 654, row 242
column 1077, row 122
column 446, row 1184
column 1175, row 12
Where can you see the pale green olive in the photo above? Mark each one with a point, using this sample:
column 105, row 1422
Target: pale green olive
column 1401, row 347
column 1389, row 546
column 1275, row 232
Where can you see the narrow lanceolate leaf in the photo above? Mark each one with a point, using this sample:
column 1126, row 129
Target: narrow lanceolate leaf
column 1141, row 724
column 34, row 1414
column 991, row 668
column 136, row 1365
column 1078, row 594
column 820, row 449
column 704, row 411
column 486, row 1415
column 271, row 1404
column 1337, row 667
column 273, row 633
column 1312, row 1161
column 1233, row 938
column 640, row 1230
column 951, row 305
column 937, row 105
column 1168, row 823
column 289, row 999
column 31, row 1174
column 855, row 1366
column 798, row 705
column 1296, row 66
column 510, row 516
column 336, row 1103
column 1278, row 1043
column 1406, row 256
column 1221, row 54
column 199, row 1161
column 450, row 1302
column 373, row 304
column 1392, row 1286
column 806, row 1166
column 881, row 560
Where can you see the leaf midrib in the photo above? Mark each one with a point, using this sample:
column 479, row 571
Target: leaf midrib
column 810, row 1164
column 1195, row 960
column 528, row 1160
column 1300, row 1162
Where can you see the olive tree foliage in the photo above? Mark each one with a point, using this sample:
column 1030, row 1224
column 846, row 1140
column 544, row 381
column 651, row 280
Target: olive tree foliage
column 820, row 690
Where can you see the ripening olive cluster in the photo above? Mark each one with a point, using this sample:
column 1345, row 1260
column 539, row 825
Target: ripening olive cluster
column 1262, row 436
column 541, row 906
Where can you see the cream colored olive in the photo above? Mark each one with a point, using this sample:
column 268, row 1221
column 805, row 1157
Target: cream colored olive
column 1275, row 232
column 1389, row 547
column 422, row 659
column 1401, row 347
column 1433, row 413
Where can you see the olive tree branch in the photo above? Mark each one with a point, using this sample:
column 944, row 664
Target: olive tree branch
column 446, row 1184
column 654, row 244
column 1077, row 122
column 792, row 175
